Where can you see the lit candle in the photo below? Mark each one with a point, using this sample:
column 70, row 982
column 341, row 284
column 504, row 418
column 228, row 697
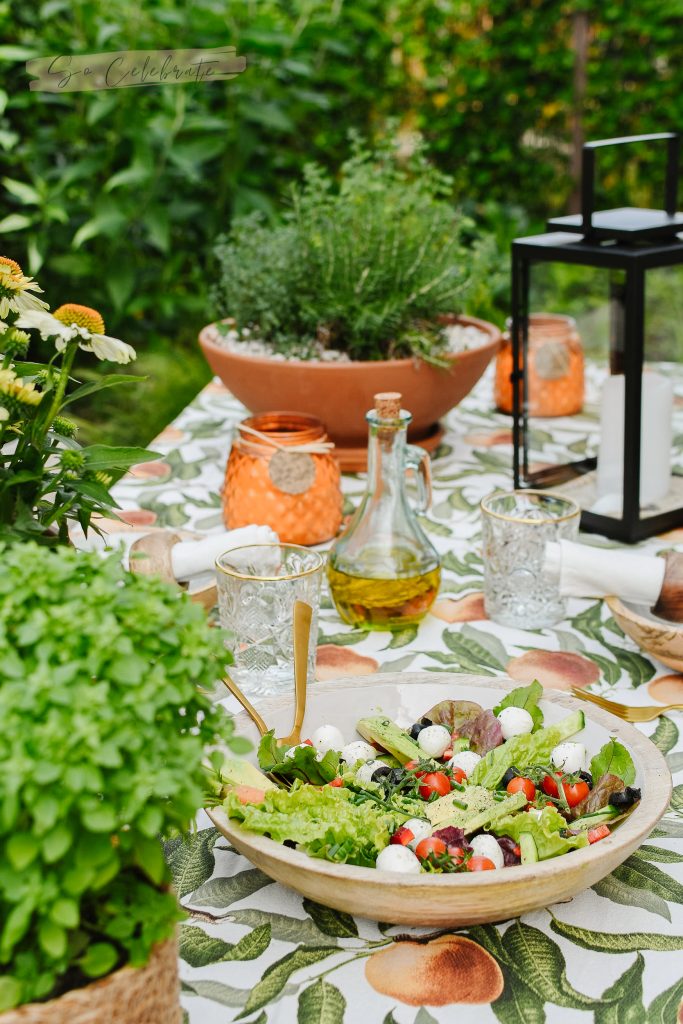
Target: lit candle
column 655, row 439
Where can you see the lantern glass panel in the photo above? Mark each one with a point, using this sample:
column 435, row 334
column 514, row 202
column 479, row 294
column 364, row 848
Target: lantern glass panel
column 577, row 446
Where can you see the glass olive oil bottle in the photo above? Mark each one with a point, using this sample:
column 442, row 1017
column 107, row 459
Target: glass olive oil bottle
column 383, row 572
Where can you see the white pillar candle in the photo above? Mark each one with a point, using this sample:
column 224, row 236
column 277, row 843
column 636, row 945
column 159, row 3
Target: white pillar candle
column 655, row 438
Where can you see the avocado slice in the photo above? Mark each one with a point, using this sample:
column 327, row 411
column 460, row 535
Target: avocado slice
column 236, row 772
column 528, row 849
column 394, row 740
column 482, row 808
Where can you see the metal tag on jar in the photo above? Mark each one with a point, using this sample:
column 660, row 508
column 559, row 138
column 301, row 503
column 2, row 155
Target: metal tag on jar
column 292, row 472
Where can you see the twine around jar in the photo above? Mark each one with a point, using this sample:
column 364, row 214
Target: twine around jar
column 266, row 442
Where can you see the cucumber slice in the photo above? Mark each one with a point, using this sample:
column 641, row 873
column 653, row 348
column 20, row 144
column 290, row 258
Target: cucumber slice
column 528, row 850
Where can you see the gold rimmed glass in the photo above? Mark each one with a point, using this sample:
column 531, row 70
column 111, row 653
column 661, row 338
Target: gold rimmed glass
column 516, row 526
column 257, row 587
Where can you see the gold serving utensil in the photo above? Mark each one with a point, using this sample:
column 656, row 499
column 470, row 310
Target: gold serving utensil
column 625, row 711
column 302, row 631
column 248, row 707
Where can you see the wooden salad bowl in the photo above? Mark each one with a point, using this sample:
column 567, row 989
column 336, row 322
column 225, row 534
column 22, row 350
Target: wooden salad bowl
column 456, row 899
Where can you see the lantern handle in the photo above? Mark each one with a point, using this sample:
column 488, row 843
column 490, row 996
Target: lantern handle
column 673, row 140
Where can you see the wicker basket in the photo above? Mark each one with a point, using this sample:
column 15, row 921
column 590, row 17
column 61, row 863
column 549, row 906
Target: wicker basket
column 145, row 995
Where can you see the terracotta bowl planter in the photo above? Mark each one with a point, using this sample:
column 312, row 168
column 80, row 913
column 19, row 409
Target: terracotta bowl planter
column 341, row 393
column 144, row 995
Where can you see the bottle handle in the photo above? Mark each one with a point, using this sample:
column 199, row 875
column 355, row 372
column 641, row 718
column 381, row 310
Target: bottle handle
column 417, row 461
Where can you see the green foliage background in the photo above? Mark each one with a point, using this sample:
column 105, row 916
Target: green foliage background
column 116, row 197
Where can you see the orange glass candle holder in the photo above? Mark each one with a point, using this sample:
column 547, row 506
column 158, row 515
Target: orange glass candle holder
column 281, row 473
column 555, row 370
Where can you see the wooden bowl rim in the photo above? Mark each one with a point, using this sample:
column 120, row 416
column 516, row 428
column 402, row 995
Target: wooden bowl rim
column 662, row 627
column 634, row 829
column 317, row 365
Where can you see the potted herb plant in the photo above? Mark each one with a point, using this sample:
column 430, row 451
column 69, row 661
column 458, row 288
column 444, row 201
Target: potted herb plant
column 103, row 734
column 47, row 479
column 358, row 289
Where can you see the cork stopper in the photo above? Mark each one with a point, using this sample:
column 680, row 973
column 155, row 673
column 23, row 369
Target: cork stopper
column 388, row 405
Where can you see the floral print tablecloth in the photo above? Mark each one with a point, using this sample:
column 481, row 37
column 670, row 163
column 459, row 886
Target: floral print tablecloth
column 254, row 951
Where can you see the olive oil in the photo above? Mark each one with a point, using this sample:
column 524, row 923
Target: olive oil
column 376, row 603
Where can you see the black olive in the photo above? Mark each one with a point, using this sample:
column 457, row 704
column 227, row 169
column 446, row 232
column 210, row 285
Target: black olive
column 380, row 773
column 290, row 844
column 510, row 774
column 627, row 798
column 587, row 777
column 416, row 729
column 396, row 776
column 426, row 722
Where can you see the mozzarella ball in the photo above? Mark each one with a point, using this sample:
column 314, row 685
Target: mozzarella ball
column 420, row 829
column 327, row 737
column 434, row 740
column 399, row 859
column 486, row 846
column 358, row 750
column 569, row 757
column 514, row 722
column 467, row 760
column 365, row 772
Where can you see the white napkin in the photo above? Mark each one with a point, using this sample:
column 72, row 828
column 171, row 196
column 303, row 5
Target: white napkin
column 585, row 571
column 190, row 558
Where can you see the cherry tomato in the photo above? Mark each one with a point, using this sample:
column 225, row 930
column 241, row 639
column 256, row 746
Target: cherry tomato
column 575, row 792
column 434, row 782
column 521, row 785
column 411, row 766
column 402, row 836
column 432, row 844
column 517, row 851
column 336, row 782
column 549, row 786
column 307, row 743
column 600, row 832
column 480, row 864
column 459, row 775
column 457, row 853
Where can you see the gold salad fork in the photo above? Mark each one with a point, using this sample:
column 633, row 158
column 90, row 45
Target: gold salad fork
column 625, row 711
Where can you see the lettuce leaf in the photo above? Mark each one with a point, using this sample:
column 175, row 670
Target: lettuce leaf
column 546, row 831
column 453, row 713
column 302, row 765
column 614, row 759
column 526, row 697
column 324, row 822
column 520, row 751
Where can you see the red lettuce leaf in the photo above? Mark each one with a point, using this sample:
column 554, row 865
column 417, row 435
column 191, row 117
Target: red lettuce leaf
column 453, row 714
column 484, row 732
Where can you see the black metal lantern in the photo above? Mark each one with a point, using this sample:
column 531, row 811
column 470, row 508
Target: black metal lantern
column 626, row 481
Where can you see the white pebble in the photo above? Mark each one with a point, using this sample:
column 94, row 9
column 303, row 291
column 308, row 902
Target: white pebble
column 486, row 846
column 515, row 722
column 327, row 737
column 434, row 740
column 467, row 760
column 357, row 750
column 398, row 859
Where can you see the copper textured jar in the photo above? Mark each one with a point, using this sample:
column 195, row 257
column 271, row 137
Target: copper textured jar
column 555, row 370
column 281, row 473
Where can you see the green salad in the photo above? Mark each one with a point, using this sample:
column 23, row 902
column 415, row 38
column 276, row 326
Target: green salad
column 462, row 789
